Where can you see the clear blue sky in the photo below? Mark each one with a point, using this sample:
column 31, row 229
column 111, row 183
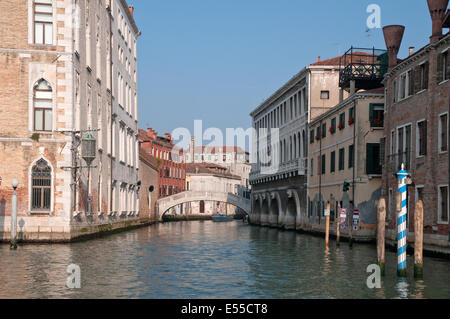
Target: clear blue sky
column 218, row 60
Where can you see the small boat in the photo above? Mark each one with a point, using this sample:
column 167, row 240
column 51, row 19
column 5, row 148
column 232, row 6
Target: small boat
column 219, row 218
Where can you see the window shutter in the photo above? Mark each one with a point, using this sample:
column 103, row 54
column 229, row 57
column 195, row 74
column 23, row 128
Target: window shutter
column 373, row 158
column 417, row 75
column 439, row 73
column 412, row 82
column 448, row 65
column 427, row 68
column 382, row 151
column 371, row 108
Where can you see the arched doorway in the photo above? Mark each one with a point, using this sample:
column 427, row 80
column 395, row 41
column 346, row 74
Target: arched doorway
column 202, row 207
column 274, row 212
column 291, row 214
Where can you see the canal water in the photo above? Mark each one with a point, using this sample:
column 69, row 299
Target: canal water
column 210, row 260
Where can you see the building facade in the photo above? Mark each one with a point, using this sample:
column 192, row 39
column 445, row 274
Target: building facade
column 149, row 178
column 209, row 177
column 344, row 149
column 278, row 178
column 57, row 60
column 172, row 169
column 416, row 129
column 234, row 158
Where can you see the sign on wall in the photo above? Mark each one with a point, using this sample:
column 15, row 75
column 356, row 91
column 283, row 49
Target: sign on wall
column 356, row 220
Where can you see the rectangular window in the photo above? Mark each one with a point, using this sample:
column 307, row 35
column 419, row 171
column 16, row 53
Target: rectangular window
column 312, row 167
column 423, row 76
column 442, row 67
column 333, row 126
column 341, row 159
column 443, row 133
column 443, row 205
column 43, row 22
column 422, row 138
column 376, row 115
column 394, row 92
column 342, row 121
column 373, row 159
column 325, row 95
column 351, row 116
column 351, row 156
column 324, row 130
column 311, row 136
column 319, row 165
column 333, row 162
column 403, row 86
column 324, row 164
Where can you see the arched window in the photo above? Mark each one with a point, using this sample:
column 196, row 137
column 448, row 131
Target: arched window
column 41, row 182
column 43, row 21
column 42, row 103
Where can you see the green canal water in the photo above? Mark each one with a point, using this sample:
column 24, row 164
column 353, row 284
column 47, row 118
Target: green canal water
column 211, row 260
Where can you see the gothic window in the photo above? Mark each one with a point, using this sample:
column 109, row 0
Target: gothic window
column 43, row 109
column 41, row 175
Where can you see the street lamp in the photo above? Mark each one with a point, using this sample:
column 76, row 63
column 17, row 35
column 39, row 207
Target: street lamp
column 88, row 153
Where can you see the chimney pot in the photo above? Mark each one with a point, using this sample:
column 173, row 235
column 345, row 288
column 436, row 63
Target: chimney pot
column 131, row 10
column 437, row 10
column 411, row 51
column 393, row 35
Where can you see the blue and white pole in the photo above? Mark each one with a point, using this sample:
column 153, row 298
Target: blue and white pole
column 401, row 223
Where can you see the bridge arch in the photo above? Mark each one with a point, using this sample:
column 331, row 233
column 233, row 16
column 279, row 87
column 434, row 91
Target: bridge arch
column 165, row 204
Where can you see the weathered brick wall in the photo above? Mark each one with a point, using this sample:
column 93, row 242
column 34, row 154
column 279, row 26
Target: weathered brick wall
column 432, row 169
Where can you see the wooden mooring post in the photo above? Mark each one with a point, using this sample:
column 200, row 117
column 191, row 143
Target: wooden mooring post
column 327, row 227
column 381, row 233
column 418, row 242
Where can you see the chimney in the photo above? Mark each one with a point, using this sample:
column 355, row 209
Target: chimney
column 168, row 136
column 411, row 50
column 437, row 8
column 393, row 35
column 319, row 58
column 131, row 10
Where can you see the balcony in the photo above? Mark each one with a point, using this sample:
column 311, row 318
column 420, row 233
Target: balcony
column 366, row 67
column 286, row 169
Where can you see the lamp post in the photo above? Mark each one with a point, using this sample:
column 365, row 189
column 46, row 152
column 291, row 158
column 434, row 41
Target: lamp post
column 15, row 184
column 88, row 152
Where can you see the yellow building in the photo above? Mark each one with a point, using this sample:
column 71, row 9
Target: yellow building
column 344, row 150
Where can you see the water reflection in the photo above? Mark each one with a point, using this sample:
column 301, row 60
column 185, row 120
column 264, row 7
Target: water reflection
column 210, row 260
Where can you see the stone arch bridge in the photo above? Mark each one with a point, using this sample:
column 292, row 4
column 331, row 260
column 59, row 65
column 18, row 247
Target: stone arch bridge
column 165, row 204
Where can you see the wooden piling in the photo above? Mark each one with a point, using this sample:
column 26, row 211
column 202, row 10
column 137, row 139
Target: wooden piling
column 327, row 227
column 418, row 242
column 338, row 226
column 381, row 232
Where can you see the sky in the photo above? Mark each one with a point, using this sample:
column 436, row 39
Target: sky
column 217, row 61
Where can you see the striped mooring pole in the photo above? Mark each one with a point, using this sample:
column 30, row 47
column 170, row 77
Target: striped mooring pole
column 401, row 223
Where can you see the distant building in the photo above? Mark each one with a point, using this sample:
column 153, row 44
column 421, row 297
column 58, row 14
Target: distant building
column 236, row 159
column 417, row 128
column 211, row 177
column 344, row 147
column 172, row 168
column 149, row 178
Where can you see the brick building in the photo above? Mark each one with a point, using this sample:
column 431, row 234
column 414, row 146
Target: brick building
column 172, row 169
column 60, row 76
column 416, row 128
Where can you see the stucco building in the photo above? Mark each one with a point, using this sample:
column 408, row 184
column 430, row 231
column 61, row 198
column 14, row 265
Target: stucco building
column 344, row 147
column 60, row 61
column 149, row 181
column 278, row 177
column 416, row 128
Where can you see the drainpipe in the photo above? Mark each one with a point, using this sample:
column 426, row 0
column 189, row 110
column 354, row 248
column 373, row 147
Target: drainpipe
column 320, row 172
column 354, row 170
